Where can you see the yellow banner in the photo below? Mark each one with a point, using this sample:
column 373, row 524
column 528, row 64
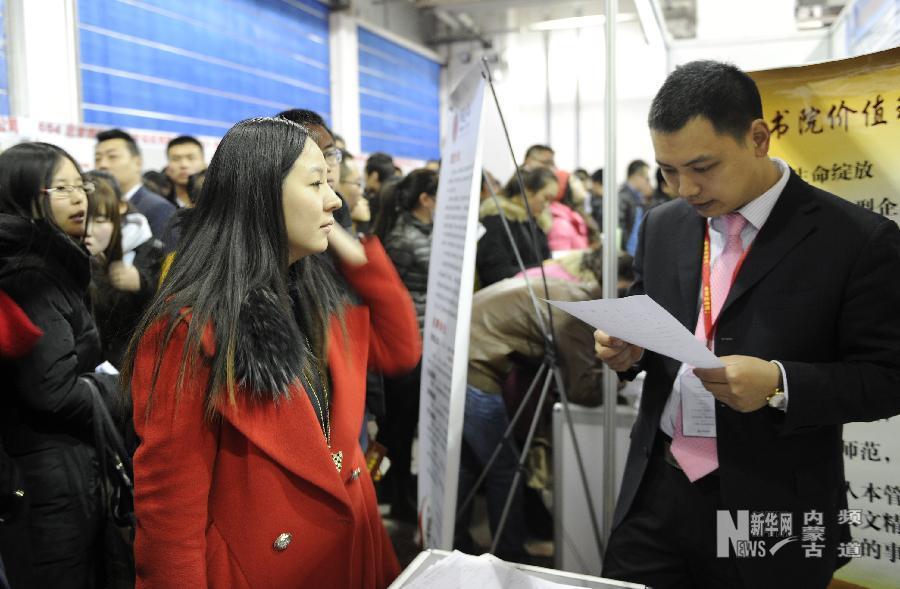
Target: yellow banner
column 838, row 125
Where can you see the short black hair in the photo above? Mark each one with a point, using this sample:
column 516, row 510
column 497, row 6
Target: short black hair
column 720, row 92
column 537, row 147
column 119, row 134
column 308, row 119
column 660, row 179
column 184, row 140
column 382, row 164
column 597, row 176
column 635, row 166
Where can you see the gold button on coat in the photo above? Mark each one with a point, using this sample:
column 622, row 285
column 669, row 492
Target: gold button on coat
column 282, row 541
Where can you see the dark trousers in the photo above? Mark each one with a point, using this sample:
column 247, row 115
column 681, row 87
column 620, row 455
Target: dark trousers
column 396, row 430
column 668, row 538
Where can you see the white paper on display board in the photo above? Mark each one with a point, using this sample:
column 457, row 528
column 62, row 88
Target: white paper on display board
column 451, row 276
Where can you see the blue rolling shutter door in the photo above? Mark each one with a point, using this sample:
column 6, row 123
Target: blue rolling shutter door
column 399, row 99
column 198, row 67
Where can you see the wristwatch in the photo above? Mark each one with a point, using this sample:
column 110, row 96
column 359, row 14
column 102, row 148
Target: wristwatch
column 776, row 398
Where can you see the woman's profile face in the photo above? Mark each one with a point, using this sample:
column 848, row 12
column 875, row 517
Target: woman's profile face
column 68, row 201
column 99, row 233
column 538, row 200
column 309, row 203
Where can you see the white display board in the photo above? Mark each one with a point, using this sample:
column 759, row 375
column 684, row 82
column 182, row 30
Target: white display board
column 576, row 548
column 451, row 276
column 872, row 469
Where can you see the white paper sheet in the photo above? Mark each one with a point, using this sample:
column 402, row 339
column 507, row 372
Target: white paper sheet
column 463, row 571
column 641, row 321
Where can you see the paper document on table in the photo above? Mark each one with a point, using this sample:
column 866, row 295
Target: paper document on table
column 462, row 571
column 641, row 321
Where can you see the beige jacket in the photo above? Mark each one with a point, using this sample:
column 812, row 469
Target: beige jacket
column 504, row 323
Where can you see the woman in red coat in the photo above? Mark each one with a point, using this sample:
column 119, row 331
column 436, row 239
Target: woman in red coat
column 249, row 382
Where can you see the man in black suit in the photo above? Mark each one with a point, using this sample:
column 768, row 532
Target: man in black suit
column 806, row 324
column 117, row 153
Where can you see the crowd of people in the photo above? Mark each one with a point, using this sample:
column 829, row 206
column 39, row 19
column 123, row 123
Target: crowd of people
column 248, row 326
column 236, row 309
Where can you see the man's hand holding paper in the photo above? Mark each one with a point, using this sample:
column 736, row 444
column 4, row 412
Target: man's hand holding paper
column 626, row 326
column 615, row 353
column 744, row 382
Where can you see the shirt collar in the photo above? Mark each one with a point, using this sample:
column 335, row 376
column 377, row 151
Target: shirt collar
column 128, row 195
column 757, row 211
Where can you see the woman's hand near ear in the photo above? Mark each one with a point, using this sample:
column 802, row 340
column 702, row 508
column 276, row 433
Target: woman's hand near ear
column 345, row 247
column 124, row 278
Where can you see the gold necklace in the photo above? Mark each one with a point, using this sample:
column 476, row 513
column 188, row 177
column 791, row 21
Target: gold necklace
column 324, row 413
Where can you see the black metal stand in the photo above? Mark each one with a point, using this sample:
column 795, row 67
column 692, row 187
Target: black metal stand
column 549, row 370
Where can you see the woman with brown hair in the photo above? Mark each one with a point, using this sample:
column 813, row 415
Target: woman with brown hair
column 125, row 266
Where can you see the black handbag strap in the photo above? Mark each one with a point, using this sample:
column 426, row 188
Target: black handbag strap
column 107, row 440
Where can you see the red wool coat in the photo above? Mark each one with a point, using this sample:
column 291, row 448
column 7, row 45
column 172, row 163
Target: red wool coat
column 212, row 499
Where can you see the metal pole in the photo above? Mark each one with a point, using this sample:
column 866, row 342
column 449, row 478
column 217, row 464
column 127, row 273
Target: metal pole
column 610, row 268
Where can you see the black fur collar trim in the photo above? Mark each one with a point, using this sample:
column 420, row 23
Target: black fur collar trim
column 270, row 351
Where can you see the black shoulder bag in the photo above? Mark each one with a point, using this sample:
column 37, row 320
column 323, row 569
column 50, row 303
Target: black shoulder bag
column 118, row 496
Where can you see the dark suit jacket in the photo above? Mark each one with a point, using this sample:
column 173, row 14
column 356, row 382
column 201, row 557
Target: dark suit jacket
column 158, row 211
column 820, row 292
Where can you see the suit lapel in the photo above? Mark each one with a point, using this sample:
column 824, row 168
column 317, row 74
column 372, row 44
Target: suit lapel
column 137, row 197
column 788, row 224
column 690, row 252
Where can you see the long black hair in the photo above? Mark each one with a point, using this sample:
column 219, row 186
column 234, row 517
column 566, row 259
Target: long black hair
column 26, row 170
column 404, row 197
column 233, row 246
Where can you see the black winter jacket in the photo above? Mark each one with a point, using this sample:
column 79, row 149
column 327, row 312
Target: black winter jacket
column 408, row 244
column 45, row 409
column 495, row 259
column 118, row 313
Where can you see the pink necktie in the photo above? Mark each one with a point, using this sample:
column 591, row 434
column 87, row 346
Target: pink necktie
column 697, row 456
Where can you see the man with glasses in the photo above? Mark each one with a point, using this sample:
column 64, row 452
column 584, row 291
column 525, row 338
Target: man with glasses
column 351, row 187
column 324, row 138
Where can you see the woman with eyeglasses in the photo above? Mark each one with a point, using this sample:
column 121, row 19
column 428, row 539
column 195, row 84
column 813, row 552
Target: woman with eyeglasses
column 248, row 375
column 45, row 405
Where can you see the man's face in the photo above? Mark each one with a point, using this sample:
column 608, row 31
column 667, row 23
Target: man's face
column 713, row 172
column 185, row 160
column 540, row 158
column 641, row 181
column 113, row 156
column 332, row 154
column 373, row 184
